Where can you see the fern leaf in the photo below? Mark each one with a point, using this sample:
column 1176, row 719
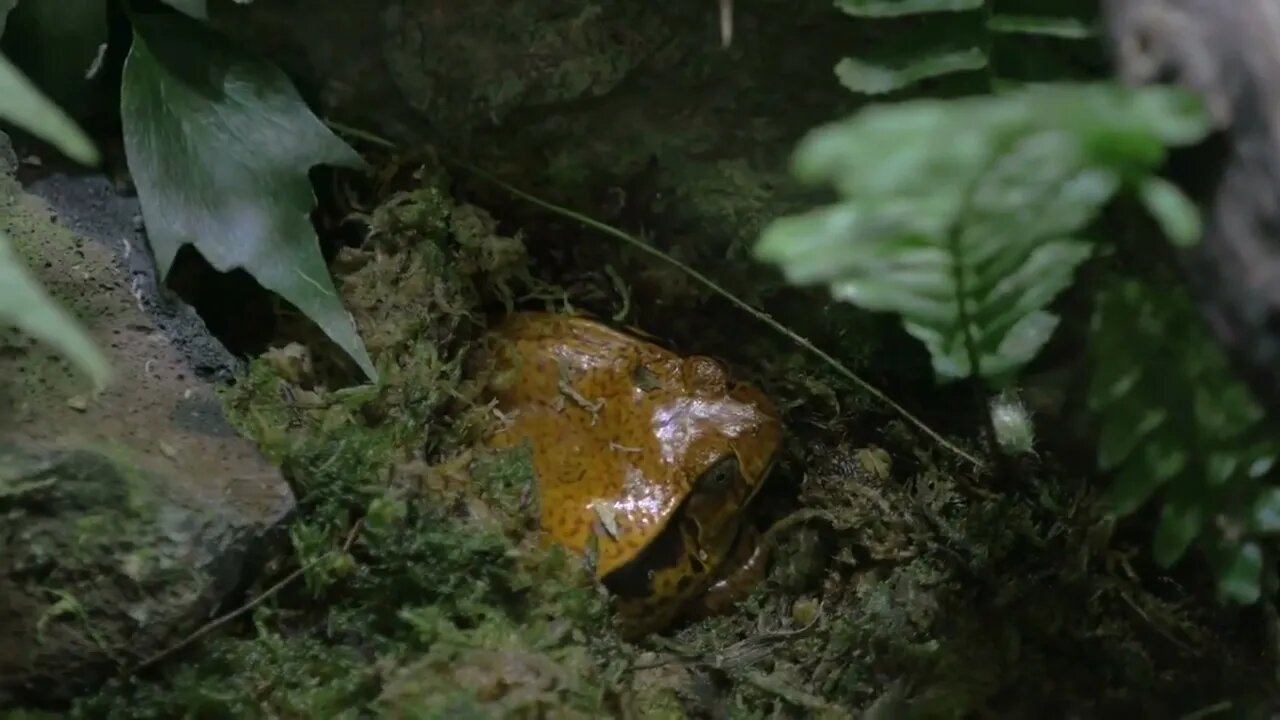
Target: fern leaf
column 1065, row 28
column 877, row 77
column 1176, row 423
column 933, row 45
column 902, row 8
column 964, row 216
column 1172, row 210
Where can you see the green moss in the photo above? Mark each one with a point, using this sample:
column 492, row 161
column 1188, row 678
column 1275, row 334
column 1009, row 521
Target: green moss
column 268, row 675
column 413, row 575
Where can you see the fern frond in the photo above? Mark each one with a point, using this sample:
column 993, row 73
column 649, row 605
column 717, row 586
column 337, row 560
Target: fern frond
column 945, row 37
column 1175, row 422
column 902, row 8
column 965, row 217
column 1064, row 28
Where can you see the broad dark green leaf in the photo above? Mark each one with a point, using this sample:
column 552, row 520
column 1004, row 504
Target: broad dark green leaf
column 60, row 45
column 219, row 144
column 872, row 77
column 901, row 8
column 1057, row 27
column 23, row 105
column 24, row 304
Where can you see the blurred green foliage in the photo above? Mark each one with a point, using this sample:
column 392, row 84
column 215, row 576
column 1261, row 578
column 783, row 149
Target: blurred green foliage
column 967, row 217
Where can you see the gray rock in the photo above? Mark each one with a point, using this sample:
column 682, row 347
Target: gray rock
column 127, row 517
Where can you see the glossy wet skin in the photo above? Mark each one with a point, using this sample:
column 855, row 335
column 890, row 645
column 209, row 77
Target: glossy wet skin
column 655, row 455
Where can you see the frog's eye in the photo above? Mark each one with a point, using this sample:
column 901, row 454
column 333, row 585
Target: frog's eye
column 720, row 476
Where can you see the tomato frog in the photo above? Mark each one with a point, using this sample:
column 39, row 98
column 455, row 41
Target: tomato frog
column 646, row 457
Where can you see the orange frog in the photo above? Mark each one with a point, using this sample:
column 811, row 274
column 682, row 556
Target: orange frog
column 651, row 457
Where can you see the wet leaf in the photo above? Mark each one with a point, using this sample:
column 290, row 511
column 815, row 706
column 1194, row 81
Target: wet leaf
column 219, row 144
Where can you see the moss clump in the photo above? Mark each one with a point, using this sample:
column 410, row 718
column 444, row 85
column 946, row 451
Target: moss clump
column 416, row 568
column 428, row 592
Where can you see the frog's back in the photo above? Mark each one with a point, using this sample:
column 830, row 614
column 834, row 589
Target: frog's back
column 588, row 399
column 541, row 350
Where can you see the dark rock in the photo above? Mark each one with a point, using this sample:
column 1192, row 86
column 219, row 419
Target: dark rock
column 126, row 517
column 628, row 111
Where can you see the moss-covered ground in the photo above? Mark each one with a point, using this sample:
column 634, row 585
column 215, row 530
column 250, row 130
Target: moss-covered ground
column 907, row 583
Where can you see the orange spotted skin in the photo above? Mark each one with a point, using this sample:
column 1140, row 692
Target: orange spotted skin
column 653, row 456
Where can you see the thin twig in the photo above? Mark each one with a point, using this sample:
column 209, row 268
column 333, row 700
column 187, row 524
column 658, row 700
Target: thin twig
column 362, row 134
column 742, row 304
column 223, row 620
column 707, row 282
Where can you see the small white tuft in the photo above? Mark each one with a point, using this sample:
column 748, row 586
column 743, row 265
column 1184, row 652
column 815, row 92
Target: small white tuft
column 1014, row 431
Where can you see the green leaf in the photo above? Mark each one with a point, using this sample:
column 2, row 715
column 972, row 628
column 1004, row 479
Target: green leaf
column 963, row 216
column 219, row 144
column 1266, row 512
column 60, row 47
column 1176, row 422
column 872, row 77
column 1241, row 579
column 901, row 8
column 1177, row 216
column 198, row 9
column 23, row 105
column 25, row 305
column 1058, row 27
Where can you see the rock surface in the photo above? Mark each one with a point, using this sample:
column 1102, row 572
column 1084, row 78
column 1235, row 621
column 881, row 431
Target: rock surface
column 125, row 518
column 629, row 111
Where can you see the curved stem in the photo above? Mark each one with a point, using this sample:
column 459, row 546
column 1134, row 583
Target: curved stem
column 710, row 284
